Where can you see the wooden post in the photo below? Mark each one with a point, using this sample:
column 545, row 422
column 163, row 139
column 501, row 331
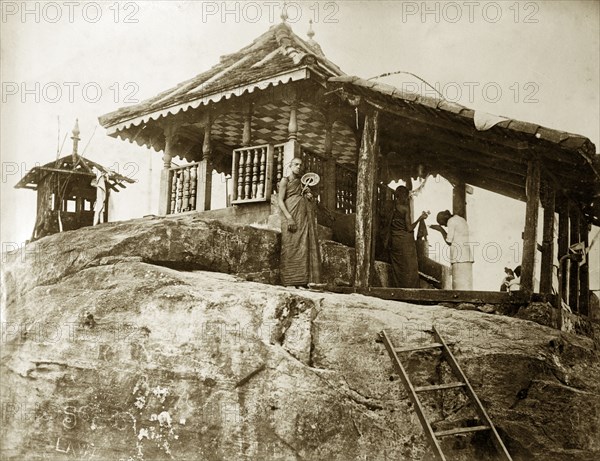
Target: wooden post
column 247, row 134
column 164, row 198
column 574, row 265
column 411, row 199
column 531, row 221
column 562, row 207
column 364, row 200
column 459, row 199
column 584, row 271
column 547, row 270
column 205, row 168
column 291, row 148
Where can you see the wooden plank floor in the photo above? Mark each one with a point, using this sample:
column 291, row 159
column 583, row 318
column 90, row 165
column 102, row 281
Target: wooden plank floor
column 456, row 296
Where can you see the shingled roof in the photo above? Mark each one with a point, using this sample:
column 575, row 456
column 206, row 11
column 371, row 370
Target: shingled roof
column 68, row 165
column 569, row 141
column 570, row 160
column 277, row 56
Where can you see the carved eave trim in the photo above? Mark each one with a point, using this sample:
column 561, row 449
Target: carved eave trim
column 298, row 74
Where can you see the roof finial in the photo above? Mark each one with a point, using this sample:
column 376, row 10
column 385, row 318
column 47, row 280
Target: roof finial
column 284, row 15
column 311, row 42
column 311, row 32
column 75, row 138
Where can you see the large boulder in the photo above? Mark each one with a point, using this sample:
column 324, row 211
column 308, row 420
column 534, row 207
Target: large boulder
column 116, row 356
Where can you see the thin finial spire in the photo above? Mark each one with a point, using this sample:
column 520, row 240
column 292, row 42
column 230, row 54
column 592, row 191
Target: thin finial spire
column 75, row 138
column 311, row 32
column 284, row 15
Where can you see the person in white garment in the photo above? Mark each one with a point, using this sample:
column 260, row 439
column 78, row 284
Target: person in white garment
column 461, row 252
column 100, row 184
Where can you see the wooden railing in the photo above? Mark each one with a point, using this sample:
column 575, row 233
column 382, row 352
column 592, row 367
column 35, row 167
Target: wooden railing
column 252, row 174
column 184, row 184
column 277, row 166
column 345, row 189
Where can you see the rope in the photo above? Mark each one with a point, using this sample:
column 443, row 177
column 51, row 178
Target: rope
column 387, row 74
column 90, row 140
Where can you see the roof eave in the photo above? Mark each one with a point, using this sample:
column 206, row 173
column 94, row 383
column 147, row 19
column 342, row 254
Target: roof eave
column 301, row 73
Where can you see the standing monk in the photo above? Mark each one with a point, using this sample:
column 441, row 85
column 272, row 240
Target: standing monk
column 461, row 254
column 401, row 242
column 300, row 256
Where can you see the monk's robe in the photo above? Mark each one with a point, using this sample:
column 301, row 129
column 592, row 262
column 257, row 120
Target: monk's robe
column 405, row 268
column 300, row 255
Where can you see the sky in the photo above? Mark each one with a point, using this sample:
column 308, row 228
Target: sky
column 533, row 61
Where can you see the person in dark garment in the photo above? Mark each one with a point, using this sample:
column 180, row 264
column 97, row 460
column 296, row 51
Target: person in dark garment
column 300, row 255
column 401, row 242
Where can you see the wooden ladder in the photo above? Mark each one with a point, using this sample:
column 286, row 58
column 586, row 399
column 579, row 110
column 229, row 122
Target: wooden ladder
column 461, row 383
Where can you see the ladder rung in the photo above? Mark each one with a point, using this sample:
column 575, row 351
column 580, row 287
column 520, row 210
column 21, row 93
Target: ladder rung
column 419, row 348
column 437, row 387
column 462, row 430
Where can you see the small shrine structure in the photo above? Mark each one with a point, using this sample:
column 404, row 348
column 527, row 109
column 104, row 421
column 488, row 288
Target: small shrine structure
column 68, row 190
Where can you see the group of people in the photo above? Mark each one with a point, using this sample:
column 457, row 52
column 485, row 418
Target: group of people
column 300, row 256
column 400, row 242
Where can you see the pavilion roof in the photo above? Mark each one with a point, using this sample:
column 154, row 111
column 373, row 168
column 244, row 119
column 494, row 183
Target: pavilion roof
column 70, row 164
column 277, row 56
column 498, row 152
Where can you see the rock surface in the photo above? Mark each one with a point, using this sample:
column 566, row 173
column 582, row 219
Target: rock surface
column 108, row 354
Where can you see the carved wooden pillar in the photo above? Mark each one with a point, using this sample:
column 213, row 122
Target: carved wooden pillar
column 247, row 134
column 164, row 199
column 459, row 199
column 193, row 186
column 365, row 196
column 292, row 148
column 205, row 168
column 531, row 222
column 293, row 123
column 547, row 270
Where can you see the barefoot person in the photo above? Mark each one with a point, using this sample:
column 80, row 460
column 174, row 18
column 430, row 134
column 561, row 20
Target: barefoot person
column 461, row 255
column 300, row 256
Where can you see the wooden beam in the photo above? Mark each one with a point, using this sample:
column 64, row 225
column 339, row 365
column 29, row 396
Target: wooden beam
column 531, row 222
column 499, row 187
column 58, row 170
column 470, row 146
column 562, row 208
column 507, row 167
column 547, row 268
column 437, row 296
column 574, row 220
column 584, row 271
column 454, row 127
column 516, row 149
column 364, row 200
column 487, row 178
